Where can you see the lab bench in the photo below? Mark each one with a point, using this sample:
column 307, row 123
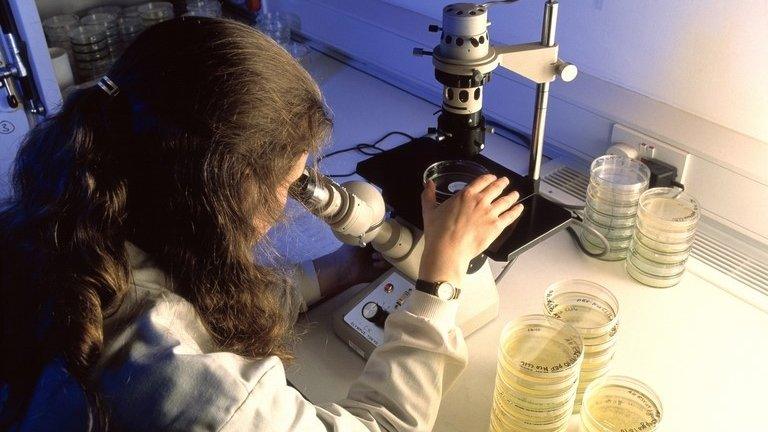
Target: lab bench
column 704, row 351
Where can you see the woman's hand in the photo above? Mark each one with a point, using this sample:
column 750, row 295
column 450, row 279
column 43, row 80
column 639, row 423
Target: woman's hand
column 348, row 266
column 463, row 226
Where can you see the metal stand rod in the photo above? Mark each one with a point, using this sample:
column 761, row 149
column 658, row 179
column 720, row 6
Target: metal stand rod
column 542, row 97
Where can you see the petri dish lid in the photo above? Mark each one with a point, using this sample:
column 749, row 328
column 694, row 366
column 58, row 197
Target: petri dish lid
column 534, row 388
column 620, row 173
column 162, row 6
column 542, row 347
column 650, row 279
column 656, row 256
column 669, row 207
column 60, row 21
column 589, row 307
column 108, row 9
column 452, row 176
column 657, row 268
column 86, row 35
column 616, row 403
column 533, row 402
column 98, row 19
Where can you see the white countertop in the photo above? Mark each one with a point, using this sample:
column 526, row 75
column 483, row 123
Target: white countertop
column 704, row 351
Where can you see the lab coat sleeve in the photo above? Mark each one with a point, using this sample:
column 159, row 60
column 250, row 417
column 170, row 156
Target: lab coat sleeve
column 305, row 277
column 399, row 390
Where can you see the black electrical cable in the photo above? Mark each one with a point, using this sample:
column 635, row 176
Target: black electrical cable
column 574, row 208
column 364, row 148
column 678, row 185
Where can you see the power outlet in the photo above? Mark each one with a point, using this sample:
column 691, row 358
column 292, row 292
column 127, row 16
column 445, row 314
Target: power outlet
column 648, row 147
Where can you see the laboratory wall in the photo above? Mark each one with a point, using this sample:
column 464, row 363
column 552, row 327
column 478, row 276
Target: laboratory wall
column 706, row 57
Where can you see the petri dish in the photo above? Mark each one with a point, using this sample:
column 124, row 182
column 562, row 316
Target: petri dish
column 598, row 359
column 91, row 47
column 109, row 9
column 606, row 200
column 508, row 421
column 155, row 12
column 86, row 35
column 610, row 209
column 618, row 233
column 591, row 349
column 535, row 387
column 658, row 257
column 541, row 347
column 130, row 11
column 613, row 221
column 620, row 173
column 609, row 195
column 589, row 307
column 531, row 407
column 83, row 58
column 57, row 27
column 659, row 245
column 619, row 403
column 650, row 279
column 452, row 176
column 655, row 268
column 591, row 375
column 98, row 19
column 669, row 209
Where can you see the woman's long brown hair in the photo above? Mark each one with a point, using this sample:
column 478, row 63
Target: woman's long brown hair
column 185, row 162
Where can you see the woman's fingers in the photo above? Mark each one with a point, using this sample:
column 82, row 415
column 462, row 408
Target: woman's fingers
column 504, row 203
column 493, row 190
column 479, row 184
column 428, row 198
column 511, row 215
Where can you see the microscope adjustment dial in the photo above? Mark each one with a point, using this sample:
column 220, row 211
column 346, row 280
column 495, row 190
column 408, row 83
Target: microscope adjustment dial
column 374, row 313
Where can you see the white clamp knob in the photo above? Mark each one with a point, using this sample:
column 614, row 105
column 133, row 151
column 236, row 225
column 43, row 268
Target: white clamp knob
column 566, row 71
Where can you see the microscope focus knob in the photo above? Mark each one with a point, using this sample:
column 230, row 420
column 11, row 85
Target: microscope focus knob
column 566, row 71
column 375, row 313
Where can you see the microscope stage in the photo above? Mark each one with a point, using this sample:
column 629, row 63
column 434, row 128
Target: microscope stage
column 399, row 173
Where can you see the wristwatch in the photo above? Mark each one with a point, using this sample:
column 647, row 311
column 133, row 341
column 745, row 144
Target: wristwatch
column 441, row 290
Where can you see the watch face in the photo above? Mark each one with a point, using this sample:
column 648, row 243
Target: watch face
column 445, row 291
column 369, row 310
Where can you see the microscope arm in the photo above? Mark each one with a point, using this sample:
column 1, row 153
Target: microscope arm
column 355, row 211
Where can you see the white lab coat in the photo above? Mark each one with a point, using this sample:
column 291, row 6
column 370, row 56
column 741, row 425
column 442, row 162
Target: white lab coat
column 160, row 370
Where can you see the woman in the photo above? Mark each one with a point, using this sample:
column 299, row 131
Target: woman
column 130, row 299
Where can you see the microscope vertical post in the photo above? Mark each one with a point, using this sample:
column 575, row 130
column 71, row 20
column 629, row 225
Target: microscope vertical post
column 542, row 97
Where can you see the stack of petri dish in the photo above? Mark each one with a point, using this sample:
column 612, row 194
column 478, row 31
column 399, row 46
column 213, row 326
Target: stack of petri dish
column 615, row 186
column 155, row 12
column 537, row 375
column 206, row 8
column 664, row 234
column 57, row 28
column 618, row 404
column 91, row 52
column 593, row 311
column 108, row 23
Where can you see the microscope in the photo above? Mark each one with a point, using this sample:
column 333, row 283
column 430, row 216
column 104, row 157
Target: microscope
column 356, row 211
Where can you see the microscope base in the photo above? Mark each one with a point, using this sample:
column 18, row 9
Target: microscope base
column 478, row 305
